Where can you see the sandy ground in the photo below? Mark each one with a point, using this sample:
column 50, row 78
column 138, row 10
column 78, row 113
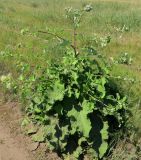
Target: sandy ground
column 9, row 148
column 14, row 145
column 12, row 142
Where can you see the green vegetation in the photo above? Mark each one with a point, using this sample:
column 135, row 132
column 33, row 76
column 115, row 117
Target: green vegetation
column 106, row 18
column 78, row 82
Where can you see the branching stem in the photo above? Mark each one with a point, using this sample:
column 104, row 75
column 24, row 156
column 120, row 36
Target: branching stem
column 73, row 46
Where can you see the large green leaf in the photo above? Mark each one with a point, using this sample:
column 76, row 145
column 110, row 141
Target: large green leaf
column 57, row 93
column 104, row 136
column 101, row 86
column 82, row 123
column 103, row 148
column 40, row 135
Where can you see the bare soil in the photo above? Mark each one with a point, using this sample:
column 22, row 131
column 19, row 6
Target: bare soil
column 9, row 148
column 14, row 145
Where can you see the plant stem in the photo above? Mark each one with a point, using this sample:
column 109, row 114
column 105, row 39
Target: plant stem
column 75, row 41
column 61, row 38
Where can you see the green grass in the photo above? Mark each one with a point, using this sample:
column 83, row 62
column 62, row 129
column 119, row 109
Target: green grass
column 39, row 15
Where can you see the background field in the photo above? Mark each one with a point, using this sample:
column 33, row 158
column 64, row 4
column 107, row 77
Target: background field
column 106, row 18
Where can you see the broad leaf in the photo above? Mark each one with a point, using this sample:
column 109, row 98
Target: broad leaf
column 104, row 136
column 57, row 93
column 82, row 123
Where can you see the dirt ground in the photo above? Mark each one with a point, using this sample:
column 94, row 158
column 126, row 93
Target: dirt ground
column 9, row 147
column 14, row 145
